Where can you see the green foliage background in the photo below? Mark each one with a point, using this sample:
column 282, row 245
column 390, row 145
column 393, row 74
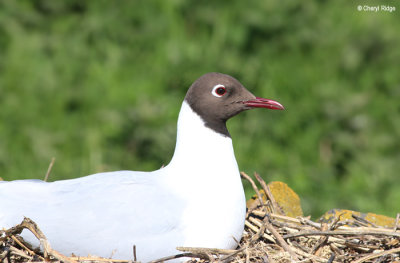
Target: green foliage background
column 98, row 85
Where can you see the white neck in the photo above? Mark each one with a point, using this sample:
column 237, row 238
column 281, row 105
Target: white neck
column 199, row 147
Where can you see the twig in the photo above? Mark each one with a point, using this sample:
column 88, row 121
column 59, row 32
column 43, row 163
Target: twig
column 331, row 258
column 260, row 232
column 308, row 255
column 364, row 221
column 30, row 252
column 49, row 169
column 275, row 207
column 321, row 241
column 195, row 250
column 31, row 226
column 396, row 225
column 300, row 220
column 366, row 229
column 134, row 253
column 279, row 238
column 226, row 258
column 375, row 255
column 306, row 221
column 20, row 253
column 324, row 239
column 178, row 256
column 253, row 184
column 355, row 232
column 335, row 249
column 246, row 252
column 80, row 259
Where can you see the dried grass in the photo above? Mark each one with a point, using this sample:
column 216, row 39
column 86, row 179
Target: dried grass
column 269, row 236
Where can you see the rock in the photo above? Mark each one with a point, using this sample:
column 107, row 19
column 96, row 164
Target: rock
column 287, row 200
column 375, row 219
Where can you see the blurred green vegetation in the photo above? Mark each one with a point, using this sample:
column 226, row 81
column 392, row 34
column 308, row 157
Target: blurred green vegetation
column 98, row 85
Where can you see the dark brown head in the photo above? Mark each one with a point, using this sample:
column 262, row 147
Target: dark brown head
column 216, row 97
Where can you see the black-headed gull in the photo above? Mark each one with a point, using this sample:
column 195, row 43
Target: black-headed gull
column 197, row 200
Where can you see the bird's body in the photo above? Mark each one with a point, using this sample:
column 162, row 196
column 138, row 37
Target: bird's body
column 196, row 200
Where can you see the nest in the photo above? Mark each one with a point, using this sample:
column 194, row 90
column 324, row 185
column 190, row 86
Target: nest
column 269, row 236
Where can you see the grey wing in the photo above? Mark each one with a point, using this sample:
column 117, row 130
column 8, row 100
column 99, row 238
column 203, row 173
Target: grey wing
column 88, row 214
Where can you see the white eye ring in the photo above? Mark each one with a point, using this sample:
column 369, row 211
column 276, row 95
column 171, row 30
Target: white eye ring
column 219, row 90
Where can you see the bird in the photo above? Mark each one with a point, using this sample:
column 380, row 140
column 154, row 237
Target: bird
column 197, row 200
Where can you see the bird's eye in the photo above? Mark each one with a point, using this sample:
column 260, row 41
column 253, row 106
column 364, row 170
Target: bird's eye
column 218, row 90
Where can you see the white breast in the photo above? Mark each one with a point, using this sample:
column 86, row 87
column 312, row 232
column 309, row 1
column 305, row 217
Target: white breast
column 204, row 172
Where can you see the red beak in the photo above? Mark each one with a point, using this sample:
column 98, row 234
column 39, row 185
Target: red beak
column 264, row 103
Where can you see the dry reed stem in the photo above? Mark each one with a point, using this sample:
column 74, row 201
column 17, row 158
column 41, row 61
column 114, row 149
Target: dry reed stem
column 48, row 251
column 275, row 207
column 380, row 254
column 354, row 232
column 279, row 239
column 30, row 252
column 204, row 250
column 255, row 188
column 46, row 177
column 98, row 259
column 396, row 225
